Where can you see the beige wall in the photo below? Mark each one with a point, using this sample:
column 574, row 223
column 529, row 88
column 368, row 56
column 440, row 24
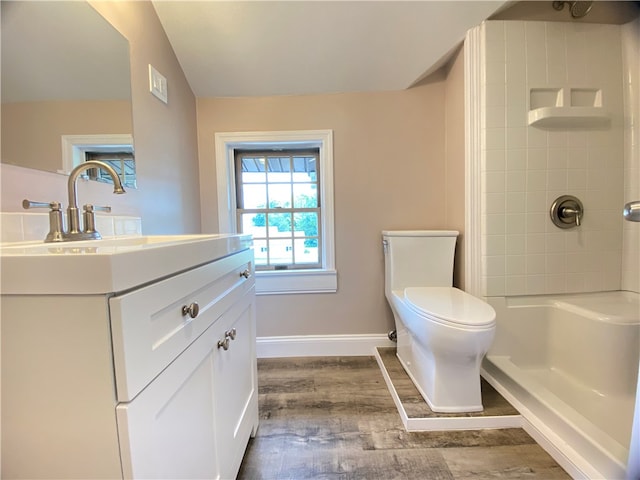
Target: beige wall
column 389, row 173
column 31, row 131
column 455, row 145
column 167, row 198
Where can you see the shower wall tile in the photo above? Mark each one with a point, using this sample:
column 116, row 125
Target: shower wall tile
column 515, row 226
column 556, row 57
column 538, row 165
column 495, row 224
column 516, row 285
column 496, row 246
column 495, row 160
column 515, row 43
column 516, row 203
column 536, row 54
column 575, row 38
column 516, row 159
column 536, row 180
column 515, row 244
column 516, row 265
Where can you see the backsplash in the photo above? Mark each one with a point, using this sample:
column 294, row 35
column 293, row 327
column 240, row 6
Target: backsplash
column 27, row 227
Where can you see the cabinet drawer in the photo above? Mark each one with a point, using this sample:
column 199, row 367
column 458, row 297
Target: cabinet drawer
column 149, row 329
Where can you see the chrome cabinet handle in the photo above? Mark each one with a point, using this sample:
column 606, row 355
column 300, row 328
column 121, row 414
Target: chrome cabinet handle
column 224, row 344
column 246, row 273
column 228, row 336
column 231, row 334
column 192, row 310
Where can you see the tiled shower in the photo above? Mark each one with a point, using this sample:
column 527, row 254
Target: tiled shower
column 584, row 142
column 552, row 110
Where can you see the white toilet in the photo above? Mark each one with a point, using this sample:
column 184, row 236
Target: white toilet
column 443, row 333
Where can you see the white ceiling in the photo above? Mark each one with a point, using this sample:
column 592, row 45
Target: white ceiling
column 244, row 48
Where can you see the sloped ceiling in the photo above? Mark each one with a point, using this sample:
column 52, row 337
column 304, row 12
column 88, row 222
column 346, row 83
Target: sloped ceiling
column 238, row 48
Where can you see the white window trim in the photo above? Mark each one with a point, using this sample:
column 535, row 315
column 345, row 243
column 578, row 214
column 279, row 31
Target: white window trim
column 74, row 147
column 281, row 282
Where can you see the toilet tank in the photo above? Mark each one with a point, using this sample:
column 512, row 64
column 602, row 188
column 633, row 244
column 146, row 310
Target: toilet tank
column 418, row 258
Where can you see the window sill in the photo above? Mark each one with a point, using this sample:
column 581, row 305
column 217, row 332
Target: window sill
column 296, row 281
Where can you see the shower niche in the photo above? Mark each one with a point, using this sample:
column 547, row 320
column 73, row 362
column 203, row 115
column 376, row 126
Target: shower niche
column 567, row 108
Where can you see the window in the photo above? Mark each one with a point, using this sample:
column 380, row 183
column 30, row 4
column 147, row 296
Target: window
column 291, row 220
column 278, row 203
column 121, row 161
column 118, row 150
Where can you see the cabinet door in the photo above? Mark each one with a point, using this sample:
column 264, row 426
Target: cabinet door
column 236, row 390
column 167, row 431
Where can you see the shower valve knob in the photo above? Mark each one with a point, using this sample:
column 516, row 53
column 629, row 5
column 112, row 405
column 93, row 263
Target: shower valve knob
column 566, row 212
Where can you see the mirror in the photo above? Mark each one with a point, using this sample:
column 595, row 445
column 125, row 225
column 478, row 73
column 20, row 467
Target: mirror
column 65, row 86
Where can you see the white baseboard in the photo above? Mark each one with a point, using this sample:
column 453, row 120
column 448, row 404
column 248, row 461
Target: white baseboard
column 321, row 345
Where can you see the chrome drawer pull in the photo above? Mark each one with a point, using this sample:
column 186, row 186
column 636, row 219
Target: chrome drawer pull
column 246, row 273
column 224, row 344
column 192, row 310
column 231, row 334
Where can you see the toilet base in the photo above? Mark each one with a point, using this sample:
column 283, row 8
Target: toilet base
column 448, row 387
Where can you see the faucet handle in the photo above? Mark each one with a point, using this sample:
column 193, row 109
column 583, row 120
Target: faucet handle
column 96, row 208
column 56, row 229
column 27, row 204
column 89, row 218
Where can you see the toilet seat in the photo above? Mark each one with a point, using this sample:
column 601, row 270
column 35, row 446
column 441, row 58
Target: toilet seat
column 450, row 306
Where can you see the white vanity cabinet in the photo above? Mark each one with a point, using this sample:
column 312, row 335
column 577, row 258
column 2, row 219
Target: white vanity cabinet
column 158, row 381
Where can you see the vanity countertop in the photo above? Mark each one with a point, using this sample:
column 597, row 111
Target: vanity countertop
column 108, row 265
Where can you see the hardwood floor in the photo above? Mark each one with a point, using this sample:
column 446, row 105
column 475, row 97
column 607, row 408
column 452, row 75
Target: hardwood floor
column 333, row 418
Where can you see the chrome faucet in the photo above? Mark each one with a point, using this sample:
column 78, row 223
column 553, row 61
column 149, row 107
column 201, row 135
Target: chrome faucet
column 73, row 215
column 56, row 228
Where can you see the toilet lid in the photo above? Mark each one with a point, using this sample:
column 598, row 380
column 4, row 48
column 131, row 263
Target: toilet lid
column 450, row 305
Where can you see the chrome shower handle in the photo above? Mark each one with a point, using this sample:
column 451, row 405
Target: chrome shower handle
column 566, row 212
column 631, row 211
column 569, row 213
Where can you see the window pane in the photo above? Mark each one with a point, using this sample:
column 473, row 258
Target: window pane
column 279, row 169
column 253, row 169
column 280, row 252
column 260, row 252
column 306, row 253
column 305, row 169
column 305, row 195
column 280, row 195
column 253, row 177
column 306, row 224
column 254, row 223
column 279, row 224
column 254, row 195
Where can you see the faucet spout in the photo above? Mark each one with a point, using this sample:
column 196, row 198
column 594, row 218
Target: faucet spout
column 72, row 209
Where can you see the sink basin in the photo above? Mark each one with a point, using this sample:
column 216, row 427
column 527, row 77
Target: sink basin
column 107, row 265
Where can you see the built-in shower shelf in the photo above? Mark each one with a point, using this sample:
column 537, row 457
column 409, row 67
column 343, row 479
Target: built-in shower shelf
column 569, row 117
